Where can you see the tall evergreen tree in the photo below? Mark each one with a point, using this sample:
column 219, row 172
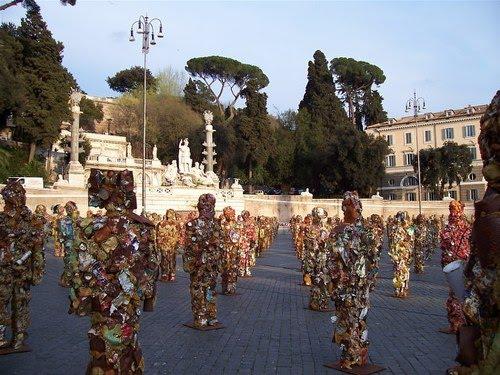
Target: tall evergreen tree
column 47, row 83
column 253, row 131
column 320, row 99
column 372, row 111
column 11, row 83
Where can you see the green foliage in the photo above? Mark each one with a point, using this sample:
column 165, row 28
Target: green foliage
column 253, row 131
column 169, row 120
column 11, row 82
column 14, row 163
column 372, row 111
column 46, row 82
column 355, row 79
column 128, row 80
column 228, row 74
column 446, row 165
column 320, row 99
column 170, row 81
column 91, row 112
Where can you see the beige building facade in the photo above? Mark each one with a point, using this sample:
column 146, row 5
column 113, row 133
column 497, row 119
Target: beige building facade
column 433, row 130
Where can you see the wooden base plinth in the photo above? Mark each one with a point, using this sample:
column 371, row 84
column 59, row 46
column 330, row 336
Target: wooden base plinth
column 447, row 330
column 10, row 350
column 356, row 370
column 325, row 310
column 204, row 328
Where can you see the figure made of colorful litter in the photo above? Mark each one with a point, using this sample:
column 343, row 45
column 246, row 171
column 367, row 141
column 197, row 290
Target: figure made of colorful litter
column 202, row 260
column 420, row 243
column 434, row 227
column 67, row 225
column 375, row 224
column 22, row 264
column 113, row 273
column 247, row 239
column 400, row 253
column 351, row 260
column 58, row 211
column 307, row 256
column 230, row 254
column 168, row 235
column 482, row 283
column 455, row 245
column 315, row 238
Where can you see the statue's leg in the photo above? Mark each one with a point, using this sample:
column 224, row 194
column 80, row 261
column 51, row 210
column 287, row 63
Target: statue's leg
column 20, row 313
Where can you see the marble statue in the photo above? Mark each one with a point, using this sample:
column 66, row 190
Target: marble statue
column 155, row 152
column 185, row 160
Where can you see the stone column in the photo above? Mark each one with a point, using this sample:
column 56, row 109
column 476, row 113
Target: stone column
column 209, row 152
column 75, row 170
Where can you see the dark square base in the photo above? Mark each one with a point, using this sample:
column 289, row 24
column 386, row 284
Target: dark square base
column 357, row 370
column 230, row 295
column 446, row 330
column 206, row 328
column 9, row 350
column 326, row 310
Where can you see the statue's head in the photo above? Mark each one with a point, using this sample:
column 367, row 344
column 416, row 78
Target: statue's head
column 41, row 210
column 113, row 190
column 229, row 213
column 318, row 214
column 420, row 219
column 351, row 205
column 245, row 215
column 456, row 209
column 14, row 194
column 401, row 216
column 170, row 214
column 70, row 207
column 206, row 206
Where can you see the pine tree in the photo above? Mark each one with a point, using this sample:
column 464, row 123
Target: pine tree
column 47, row 83
column 320, row 99
column 372, row 110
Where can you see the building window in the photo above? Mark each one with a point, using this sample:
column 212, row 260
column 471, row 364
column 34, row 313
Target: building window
column 409, row 157
column 469, row 131
column 452, row 194
column 473, row 152
column 411, row 197
column 390, row 182
column 448, row 134
column 472, row 177
column 427, row 136
column 407, row 138
column 389, row 139
column 391, row 160
column 391, row 196
column 432, row 196
column 410, row 181
column 472, row 195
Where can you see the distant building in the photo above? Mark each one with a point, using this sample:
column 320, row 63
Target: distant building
column 434, row 129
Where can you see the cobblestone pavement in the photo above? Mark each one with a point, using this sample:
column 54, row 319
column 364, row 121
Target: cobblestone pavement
column 268, row 330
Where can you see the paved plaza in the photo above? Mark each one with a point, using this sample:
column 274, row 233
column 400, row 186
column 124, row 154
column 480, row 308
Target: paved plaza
column 268, row 330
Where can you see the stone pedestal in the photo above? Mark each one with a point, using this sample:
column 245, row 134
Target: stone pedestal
column 76, row 174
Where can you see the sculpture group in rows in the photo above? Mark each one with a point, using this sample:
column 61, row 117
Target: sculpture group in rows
column 114, row 259
column 340, row 262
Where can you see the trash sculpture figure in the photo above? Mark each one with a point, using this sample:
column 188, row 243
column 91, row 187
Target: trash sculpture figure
column 202, row 260
column 22, row 265
column 115, row 271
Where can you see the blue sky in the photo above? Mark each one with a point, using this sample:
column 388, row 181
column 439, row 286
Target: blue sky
column 447, row 51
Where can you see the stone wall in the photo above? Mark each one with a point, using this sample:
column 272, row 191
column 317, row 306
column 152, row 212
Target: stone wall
column 285, row 206
column 281, row 206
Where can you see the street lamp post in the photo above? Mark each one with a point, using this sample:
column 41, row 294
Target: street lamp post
column 417, row 104
column 145, row 27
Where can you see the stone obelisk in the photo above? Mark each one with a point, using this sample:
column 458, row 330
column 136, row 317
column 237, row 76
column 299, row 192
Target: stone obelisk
column 75, row 170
